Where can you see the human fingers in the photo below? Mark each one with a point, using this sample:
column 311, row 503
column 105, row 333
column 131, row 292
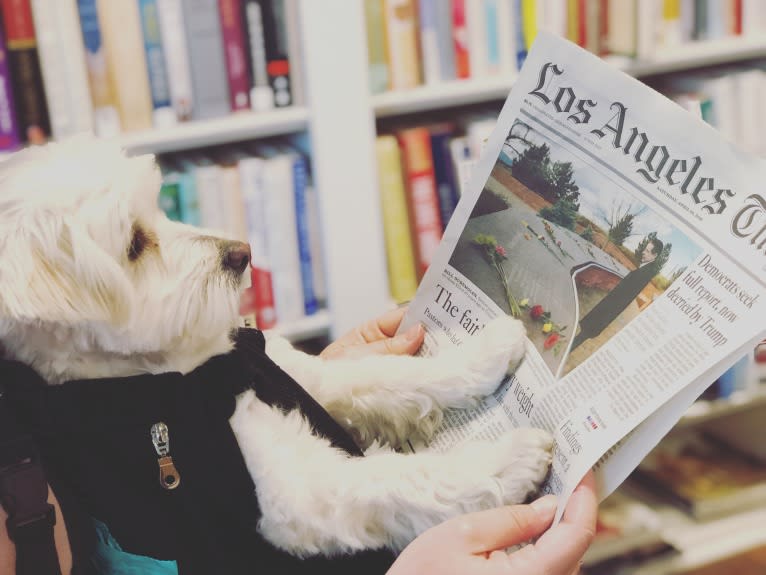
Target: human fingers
column 560, row 549
column 483, row 532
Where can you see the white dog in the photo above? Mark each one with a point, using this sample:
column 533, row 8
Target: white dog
column 96, row 282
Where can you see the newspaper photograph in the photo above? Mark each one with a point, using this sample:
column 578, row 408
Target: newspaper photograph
column 628, row 237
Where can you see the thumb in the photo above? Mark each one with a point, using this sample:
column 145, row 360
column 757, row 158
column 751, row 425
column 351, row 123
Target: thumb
column 406, row 343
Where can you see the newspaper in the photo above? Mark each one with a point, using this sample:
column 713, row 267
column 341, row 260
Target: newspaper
column 627, row 235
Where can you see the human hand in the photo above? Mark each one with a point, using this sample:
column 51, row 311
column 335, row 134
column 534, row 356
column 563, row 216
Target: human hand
column 376, row 337
column 475, row 543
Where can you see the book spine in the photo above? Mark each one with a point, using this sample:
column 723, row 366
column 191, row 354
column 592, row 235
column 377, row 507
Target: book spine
column 187, row 199
column 460, row 40
column 445, row 175
column 155, row 64
column 421, row 193
column 376, row 46
column 277, row 59
column 174, row 47
column 478, row 49
column 121, row 31
column 62, row 60
column 506, row 37
column 315, row 241
column 261, row 94
column 400, row 257
column 169, row 199
column 402, row 42
column 210, row 85
column 106, row 118
column 251, row 177
column 9, row 129
column 302, row 230
column 491, row 35
column 529, row 22
column 232, row 31
column 294, row 51
column 521, row 46
column 445, row 43
column 429, row 41
column 207, row 179
column 283, row 247
column 24, row 63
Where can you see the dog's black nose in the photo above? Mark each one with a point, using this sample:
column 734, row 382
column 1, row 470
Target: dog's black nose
column 236, row 256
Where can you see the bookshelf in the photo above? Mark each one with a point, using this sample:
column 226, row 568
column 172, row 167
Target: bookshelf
column 234, row 128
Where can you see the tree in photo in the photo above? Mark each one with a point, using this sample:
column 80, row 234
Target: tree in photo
column 552, row 180
column 619, row 221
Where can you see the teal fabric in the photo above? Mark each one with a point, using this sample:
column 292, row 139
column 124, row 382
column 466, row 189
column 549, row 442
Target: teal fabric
column 110, row 559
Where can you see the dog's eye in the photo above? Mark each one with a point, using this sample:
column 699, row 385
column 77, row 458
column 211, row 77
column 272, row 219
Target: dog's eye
column 138, row 243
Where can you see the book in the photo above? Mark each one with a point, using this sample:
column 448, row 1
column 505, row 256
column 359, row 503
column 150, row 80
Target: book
column 314, row 219
column 26, row 75
column 400, row 257
column 163, row 114
column 9, row 129
column 294, row 33
column 300, row 179
column 703, row 476
column 261, row 294
column 619, row 336
column 209, row 189
column 282, row 237
column 460, row 39
column 62, row 59
column 188, row 204
column 422, row 197
column 106, row 118
column 377, row 62
column 429, row 41
column 176, row 52
column 444, row 170
column 204, row 41
column 235, row 52
column 277, row 51
column 261, row 92
column 120, row 24
column 401, row 26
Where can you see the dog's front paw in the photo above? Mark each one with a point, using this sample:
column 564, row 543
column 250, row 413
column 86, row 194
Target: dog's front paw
column 493, row 352
column 527, row 453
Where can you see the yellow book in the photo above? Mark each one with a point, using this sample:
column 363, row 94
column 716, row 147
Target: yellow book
column 529, row 21
column 376, row 45
column 124, row 47
column 400, row 256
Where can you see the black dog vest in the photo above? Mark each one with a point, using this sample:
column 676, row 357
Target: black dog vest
column 96, row 445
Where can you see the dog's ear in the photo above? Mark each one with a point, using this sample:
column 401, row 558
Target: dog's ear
column 57, row 273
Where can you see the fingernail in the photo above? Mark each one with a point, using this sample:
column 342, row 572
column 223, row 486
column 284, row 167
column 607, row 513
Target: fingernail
column 545, row 504
column 413, row 333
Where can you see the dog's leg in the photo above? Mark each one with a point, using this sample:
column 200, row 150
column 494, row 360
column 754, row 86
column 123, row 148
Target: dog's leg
column 394, row 398
column 316, row 499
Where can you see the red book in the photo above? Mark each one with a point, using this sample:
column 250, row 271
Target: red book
column 738, row 17
column 234, row 46
column 422, row 196
column 460, row 39
column 258, row 300
column 24, row 63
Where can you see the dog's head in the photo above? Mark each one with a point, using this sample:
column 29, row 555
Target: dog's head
column 92, row 271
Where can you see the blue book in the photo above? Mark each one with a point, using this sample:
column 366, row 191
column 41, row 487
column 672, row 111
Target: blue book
column 302, row 227
column 155, row 58
column 521, row 47
column 444, row 171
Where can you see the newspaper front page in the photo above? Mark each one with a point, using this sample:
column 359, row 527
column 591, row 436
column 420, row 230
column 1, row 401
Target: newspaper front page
column 627, row 235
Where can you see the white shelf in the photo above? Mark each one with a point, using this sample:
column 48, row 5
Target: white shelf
column 697, row 55
column 704, row 410
column 435, row 96
column 310, row 326
column 473, row 91
column 700, row 544
column 236, row 127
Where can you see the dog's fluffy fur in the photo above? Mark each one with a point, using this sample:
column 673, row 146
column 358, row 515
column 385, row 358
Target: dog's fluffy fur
column 96, row 282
